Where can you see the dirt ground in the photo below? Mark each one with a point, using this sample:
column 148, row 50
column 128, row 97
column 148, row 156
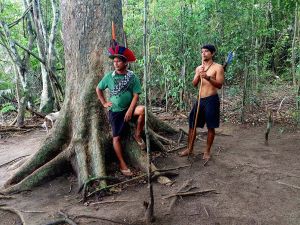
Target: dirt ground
column 254, row 183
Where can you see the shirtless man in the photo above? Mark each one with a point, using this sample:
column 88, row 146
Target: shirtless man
column 212, row 76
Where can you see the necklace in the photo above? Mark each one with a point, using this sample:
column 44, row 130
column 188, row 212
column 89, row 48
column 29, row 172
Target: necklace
column 208, row 67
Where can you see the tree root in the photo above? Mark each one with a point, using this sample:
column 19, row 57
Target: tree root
column 14, row 160
column 85, row 186
column 50, row 169
column 58, row 222
column 102, row 218
column 164, row 140
column 182, row 194
column 51, row 148
column 159, row 146
column 62, row 221
column 15, row 211
column 115, row 185
column 6, row 197
column 67, row 218
column 11, row 129
column 158, row 126
column 75, row 142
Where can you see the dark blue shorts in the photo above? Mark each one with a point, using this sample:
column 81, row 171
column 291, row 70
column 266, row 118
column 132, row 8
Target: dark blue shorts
column 118, row 125
column 209, row 112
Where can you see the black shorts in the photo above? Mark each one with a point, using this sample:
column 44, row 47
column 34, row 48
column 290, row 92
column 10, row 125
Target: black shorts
column 118, row 125
column 209, row 112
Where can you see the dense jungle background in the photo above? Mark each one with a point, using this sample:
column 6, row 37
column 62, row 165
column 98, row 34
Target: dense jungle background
column 264, row 36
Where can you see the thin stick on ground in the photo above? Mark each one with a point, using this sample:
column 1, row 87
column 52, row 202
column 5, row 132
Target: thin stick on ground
column 220, row 149
column 169, row 169
column 289, row 185
column 28, row 211
column 178, row 148
column 205, row 163
column 185, row 185
column 14, row 160
column 180, row 137
column 182, row 194
column 102, row 218
column 206, row 211
column 111, row 201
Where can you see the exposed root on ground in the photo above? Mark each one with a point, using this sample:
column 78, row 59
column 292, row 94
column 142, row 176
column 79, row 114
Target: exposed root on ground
column 15, row 211
column 80, row 141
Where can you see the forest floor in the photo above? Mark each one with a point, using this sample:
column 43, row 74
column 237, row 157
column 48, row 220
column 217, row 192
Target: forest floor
column 254, row 183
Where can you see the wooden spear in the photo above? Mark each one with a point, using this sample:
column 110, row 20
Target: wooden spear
column 193, row 136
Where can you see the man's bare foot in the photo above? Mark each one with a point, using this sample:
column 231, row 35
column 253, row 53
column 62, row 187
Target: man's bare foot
column 186, row 152
column 206, row 156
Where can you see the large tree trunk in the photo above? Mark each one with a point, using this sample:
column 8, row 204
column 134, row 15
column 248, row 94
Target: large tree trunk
column 79, row 137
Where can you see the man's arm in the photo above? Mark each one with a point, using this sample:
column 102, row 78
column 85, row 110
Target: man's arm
column 218, row 82
column 196, row 79
column 129, row 112
column 102, row 98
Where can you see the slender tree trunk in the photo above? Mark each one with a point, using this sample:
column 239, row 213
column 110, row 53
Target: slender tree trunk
column 46, row 49
column 245, row 94
column 294, row 46
column 21, row 70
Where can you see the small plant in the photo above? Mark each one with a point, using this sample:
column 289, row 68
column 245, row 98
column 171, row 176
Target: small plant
column 7, row 107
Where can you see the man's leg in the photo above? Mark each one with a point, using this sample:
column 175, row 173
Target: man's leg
column 190, row 147
column 191, row 134
column 210, row 140
column 140, row 113
column 118, row 150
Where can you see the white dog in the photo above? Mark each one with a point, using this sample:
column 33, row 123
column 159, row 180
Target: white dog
column 50, row 120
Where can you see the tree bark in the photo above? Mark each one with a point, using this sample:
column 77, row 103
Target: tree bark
column 293, row 46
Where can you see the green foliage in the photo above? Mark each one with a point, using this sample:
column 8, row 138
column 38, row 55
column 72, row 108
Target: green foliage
column 260, row 32
column 7, row 107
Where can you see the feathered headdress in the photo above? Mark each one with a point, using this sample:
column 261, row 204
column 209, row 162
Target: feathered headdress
column 117, row 50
